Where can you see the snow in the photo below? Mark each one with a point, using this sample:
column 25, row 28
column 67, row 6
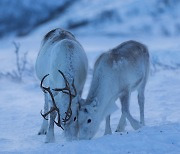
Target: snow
column 20, row 104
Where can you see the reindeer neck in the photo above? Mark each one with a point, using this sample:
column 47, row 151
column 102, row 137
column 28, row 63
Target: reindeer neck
column 102, row 97
column 105, row 93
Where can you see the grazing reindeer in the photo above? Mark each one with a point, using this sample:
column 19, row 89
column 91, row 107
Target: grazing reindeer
column 61, row 66
column 117, row 73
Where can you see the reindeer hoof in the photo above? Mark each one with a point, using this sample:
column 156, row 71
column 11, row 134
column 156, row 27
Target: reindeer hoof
column 120, row 130
column 42, row 132
column 50, row 137
column 107, row 133
column 142, row 123
column 137, row 126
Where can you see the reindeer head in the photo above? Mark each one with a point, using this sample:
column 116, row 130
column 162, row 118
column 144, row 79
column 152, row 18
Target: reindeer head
column 87, row 120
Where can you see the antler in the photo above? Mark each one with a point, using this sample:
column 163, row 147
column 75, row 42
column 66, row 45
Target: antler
column 67, row 90
column 53, row 101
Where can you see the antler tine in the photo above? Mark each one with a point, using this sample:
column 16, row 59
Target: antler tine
column 64, row 90
column 68, row 115
column 67, row 83
column 59, row 121
column 69, row 111
column 41, row 85
column 44, row 115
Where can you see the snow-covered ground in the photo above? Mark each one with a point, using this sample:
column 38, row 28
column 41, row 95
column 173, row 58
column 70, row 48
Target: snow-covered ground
column 99, row 26
column 20, row 103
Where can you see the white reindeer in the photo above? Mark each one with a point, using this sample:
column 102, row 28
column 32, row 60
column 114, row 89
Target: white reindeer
column 61, row 65
column 117, row 73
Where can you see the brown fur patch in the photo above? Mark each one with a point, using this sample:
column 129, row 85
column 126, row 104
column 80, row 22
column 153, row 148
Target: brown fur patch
column 49, row 34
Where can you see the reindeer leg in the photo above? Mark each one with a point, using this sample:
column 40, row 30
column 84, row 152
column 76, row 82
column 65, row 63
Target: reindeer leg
column 108, row 126
column 141, row 102
column 122, row 122
column 50, row 133
column 125, row 99
column 44, row 125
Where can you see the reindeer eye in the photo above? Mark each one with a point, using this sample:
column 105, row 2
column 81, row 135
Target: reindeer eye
column 89, row 121
column 74, row 118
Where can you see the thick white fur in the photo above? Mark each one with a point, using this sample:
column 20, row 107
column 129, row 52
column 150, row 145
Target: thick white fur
column 61, row 51
column 117, row 73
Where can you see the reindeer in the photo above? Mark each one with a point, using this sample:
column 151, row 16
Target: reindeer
column 117, row 73
column 61, row 66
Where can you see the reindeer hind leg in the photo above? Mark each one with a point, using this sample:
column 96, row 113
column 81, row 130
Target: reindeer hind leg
column 122, row 122
column 125, row 100
column 108, row 126
column 141, row 100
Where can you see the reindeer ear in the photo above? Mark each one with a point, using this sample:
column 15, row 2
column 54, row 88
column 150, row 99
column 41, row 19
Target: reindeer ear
column 80, row 103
